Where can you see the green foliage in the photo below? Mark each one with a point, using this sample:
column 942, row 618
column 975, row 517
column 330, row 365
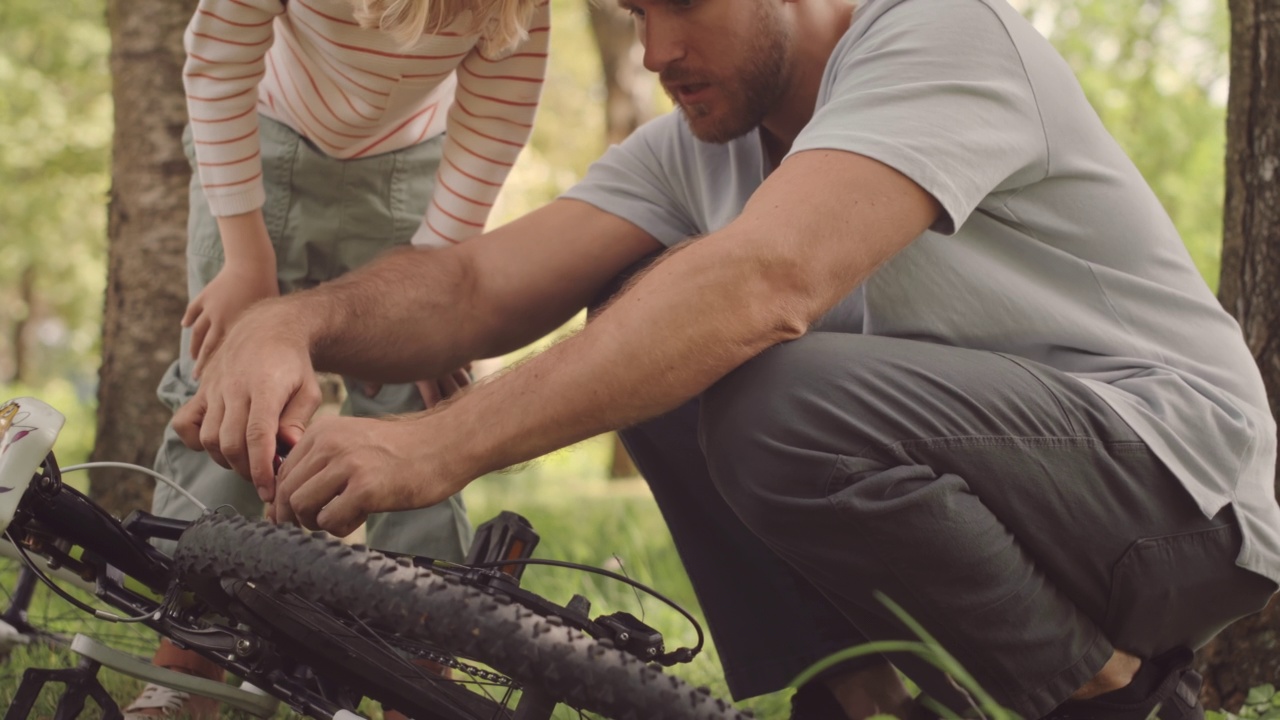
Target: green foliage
column 1262, row 703
column 75, row 441
column 55, row 135
column 1156, row 73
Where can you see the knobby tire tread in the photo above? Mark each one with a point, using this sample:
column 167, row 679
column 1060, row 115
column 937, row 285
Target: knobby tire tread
column 534, row 650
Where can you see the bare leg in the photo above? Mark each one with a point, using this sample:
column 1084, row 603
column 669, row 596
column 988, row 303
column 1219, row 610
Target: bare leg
column 877, row 690
column 1117, row 673
column 874, row 690
column 171, row 657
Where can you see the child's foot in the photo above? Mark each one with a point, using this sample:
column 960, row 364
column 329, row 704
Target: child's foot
column 162, row 702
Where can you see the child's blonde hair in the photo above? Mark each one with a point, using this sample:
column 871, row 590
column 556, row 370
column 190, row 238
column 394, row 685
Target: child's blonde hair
column 501, row 24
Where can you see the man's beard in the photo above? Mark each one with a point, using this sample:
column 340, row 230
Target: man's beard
column 751, row 93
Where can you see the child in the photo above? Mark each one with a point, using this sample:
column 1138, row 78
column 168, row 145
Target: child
column 322, row 133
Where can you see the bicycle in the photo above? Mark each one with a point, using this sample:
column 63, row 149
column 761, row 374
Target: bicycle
column 319, row 624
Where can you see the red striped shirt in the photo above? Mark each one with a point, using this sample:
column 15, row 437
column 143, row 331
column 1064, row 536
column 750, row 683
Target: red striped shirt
column 356, row 92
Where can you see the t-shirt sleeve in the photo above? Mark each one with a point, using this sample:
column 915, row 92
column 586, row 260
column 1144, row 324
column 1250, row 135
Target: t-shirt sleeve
column 489, row 123
column 630, row 182
column 936, row 90
column 227, row 43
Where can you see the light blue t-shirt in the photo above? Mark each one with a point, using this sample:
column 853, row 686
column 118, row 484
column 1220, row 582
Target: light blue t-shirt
column 1051, row 245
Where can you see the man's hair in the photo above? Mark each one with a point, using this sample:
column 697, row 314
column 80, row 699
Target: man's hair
column 501, row 24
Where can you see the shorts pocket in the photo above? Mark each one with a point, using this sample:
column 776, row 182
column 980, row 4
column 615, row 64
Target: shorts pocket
column 1181, row 590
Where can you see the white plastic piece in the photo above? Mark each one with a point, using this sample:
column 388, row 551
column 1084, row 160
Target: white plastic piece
column 28, row 429
column 252, row 703
column 11, row 638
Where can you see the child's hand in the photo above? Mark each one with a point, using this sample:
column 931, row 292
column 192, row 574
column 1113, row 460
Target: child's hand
column 436, row 391
column 214, row 310
column 433, row 392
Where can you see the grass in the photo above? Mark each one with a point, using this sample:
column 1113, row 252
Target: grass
column 583, row 519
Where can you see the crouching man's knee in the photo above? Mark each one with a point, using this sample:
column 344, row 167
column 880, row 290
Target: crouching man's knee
column 758, row 432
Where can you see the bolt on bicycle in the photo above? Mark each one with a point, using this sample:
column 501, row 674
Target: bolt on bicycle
column 319, row 625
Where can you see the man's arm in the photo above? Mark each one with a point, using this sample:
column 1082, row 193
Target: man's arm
column 410, row 314
column 813, row 232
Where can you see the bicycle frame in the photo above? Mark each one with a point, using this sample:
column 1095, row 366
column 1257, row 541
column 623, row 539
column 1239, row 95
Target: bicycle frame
column 41, row 514
column 45, row 517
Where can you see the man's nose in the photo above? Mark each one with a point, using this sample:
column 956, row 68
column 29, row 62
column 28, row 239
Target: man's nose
column 662, row 42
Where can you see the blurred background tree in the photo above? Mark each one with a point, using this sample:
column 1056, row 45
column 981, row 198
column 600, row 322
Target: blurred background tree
column 629, row 88
column 55, row 138
column 1244, row 656
column 1157, row 73
column 146, row 242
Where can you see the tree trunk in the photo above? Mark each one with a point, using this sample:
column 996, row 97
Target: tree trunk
column 628, row 86
column 146, row 228
column 1245, row 654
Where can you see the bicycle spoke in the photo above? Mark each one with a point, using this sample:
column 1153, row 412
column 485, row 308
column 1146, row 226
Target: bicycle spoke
column 430, row 677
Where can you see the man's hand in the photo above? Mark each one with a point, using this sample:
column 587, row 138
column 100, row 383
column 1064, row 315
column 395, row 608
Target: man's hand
column 212, row 312
column 260, row 385
column 344, row 469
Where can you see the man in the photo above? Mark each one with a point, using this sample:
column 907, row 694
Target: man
column 937, row 340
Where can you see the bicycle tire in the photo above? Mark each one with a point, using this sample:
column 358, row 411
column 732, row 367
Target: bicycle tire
column 397, row 597
column 368, row 665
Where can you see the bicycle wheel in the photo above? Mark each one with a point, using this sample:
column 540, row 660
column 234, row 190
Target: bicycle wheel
column 399, row 600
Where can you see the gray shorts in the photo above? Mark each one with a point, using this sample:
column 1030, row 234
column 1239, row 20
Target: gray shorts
column 1003, row 504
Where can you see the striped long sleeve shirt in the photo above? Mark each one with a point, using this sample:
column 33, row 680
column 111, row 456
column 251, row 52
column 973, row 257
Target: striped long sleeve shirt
column 355, row 92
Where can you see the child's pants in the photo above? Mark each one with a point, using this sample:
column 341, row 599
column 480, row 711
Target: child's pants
column 325, row 217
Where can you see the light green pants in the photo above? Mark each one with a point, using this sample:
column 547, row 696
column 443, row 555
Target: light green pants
column 325, row 217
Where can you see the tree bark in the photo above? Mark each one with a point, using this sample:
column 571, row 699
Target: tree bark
column 146, row 229
column 1246, row 655
column 628, row 86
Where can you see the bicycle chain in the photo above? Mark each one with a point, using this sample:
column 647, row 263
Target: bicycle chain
column 454, row 663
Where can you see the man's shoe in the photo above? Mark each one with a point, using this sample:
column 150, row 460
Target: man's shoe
column 1176, row 697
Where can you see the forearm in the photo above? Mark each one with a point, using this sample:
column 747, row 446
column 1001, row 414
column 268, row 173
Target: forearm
column 678, row 330
column 245, row 242
column 397, row 319
column 414, row 312
column 810, row 236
